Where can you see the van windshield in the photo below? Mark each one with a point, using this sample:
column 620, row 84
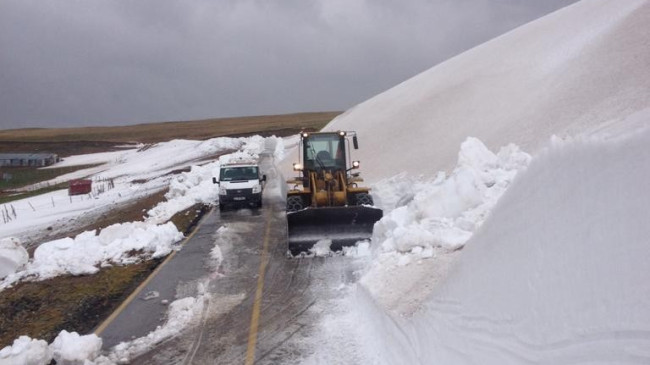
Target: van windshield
column 238, row 173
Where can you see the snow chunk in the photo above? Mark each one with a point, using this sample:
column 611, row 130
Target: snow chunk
column 73, row 349
column 13, row 256
column 26, row 351
column 321, row 248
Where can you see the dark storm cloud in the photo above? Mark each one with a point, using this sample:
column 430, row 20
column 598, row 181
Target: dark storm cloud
column 67, row 63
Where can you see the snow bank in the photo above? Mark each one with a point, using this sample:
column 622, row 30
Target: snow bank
column 26, row 351
column 445, row 212
column 555, row 275
column 431, row 219
column 119, row 244
column 67, row 349
column 13, row 256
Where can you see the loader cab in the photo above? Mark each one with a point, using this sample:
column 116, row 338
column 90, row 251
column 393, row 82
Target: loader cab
column 324, row 151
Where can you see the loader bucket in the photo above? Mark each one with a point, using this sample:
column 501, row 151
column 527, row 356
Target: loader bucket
column 344, row 226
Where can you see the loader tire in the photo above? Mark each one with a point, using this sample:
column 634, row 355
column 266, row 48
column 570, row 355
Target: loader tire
column 363, row 199
column 294, row 204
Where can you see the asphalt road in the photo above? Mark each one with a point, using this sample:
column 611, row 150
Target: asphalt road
column 263, row 305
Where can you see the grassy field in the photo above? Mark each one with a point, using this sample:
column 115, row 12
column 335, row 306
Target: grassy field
column 72, row 141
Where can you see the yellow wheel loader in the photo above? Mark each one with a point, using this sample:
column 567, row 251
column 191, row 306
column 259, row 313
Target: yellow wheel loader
column 325, row 202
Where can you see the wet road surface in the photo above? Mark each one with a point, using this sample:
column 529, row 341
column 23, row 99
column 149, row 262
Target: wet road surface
column 263, row 306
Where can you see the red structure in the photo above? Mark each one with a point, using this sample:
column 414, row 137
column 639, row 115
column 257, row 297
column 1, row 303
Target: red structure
column 78, row 187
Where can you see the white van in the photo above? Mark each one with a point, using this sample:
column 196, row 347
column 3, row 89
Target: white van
column 240, row 183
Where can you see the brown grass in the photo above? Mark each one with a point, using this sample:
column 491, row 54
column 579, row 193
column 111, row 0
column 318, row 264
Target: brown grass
column 74, row 303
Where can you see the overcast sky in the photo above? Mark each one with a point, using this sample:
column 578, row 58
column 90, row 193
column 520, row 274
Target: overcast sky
column 91, row 62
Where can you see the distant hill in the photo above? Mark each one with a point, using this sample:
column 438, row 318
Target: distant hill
column 67, row 141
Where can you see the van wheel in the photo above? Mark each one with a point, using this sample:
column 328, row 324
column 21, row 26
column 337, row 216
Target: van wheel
column 222, row 207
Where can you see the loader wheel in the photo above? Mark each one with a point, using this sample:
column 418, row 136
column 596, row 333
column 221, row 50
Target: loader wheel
column 363, row 199
column 294, row 203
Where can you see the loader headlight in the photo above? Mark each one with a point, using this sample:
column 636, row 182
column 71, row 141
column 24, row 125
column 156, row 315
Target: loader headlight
column 342, row 133
column 356, row 164
column 297, row 167
column 304, row 134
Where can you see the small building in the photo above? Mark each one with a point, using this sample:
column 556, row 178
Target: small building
column 78, row 187
column 27, row 159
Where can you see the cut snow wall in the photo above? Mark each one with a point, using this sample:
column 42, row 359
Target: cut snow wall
column 556, row 275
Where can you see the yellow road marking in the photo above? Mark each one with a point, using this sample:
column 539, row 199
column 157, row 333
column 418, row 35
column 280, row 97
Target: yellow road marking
column 255, row 317
column 98, row 331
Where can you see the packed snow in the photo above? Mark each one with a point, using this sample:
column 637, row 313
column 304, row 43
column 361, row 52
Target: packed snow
column 513, row 183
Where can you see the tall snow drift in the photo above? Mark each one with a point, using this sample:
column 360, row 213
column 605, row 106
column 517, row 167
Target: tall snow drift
column 556, row 275
column 565, row 73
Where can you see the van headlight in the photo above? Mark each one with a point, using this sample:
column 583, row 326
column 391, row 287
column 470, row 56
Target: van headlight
column 222, row 191
column 257, row 189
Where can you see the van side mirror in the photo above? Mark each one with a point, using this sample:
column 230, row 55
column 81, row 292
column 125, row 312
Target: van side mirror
column 263, row 178
column 214, row 180
column 355, row 142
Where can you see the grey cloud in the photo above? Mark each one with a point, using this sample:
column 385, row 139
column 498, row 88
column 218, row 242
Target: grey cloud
column 67, row 63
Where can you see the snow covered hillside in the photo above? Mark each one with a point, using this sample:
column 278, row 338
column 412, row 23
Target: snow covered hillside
column 563, row 74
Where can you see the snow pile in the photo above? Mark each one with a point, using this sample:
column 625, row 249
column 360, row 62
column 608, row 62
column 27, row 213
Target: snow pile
column 118, row 244
column 555, row 275
column 67, row 349
column 26, row 351
column 13, row 256
column 185, row 190
column 71, row 348
column 321, row 248
column 445, row 212
column 415, row 244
